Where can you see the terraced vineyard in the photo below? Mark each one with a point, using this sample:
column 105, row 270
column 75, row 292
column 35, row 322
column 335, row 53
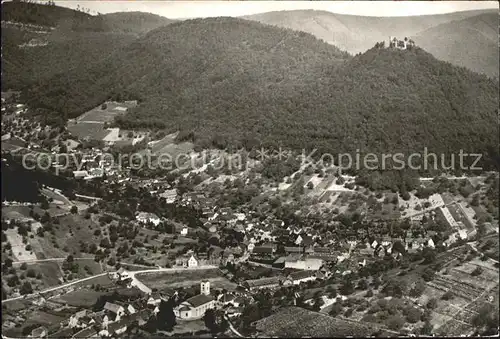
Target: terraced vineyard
column 460, row 288
column 453, row 328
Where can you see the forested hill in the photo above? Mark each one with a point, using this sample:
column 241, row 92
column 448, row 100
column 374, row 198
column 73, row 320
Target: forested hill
column 195, row 66
column 231, row 82
column 53, row 16
column 471, row 42
column 467, row 38
column 40, row 41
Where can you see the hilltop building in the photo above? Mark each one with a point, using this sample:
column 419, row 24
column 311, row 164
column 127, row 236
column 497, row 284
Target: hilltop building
column 401, row 44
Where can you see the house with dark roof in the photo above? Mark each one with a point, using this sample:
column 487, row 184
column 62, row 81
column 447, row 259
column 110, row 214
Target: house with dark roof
column 195, row 307
column 294, row 249
column 304, row 240
column 267, row 282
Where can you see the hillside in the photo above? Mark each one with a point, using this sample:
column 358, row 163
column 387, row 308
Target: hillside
column 235, row 82
column 40, row 41
column 472, row 42
column 357, row 33
column 134, row 22
column 77, row 20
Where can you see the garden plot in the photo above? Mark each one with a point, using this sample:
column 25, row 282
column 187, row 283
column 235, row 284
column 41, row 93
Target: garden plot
column 18, row 247
column 415, row 206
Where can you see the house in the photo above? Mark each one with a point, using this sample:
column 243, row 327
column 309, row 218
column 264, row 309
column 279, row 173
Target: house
column 156, row 298
column 262, row 251
column 296, row 278
column 169, row 195
column 39, row 332
column 187, row 260
column 74, row 320
column 295, row 249
column 256, row 284
column 121, row 274
column 114, row 311
column 227, row 257
column 80, row 174
column 445, row 215
column 184, row 231
column 195, row 307
column 304, row 240
column 145, row 218
column 430, row 243
column 309, row 264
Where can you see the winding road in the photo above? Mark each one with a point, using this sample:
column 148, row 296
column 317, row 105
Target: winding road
column 131, row 274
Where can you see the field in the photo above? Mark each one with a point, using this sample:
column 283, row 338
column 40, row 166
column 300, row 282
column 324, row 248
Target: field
column 174, row 150
column 99, row 115
column 185, row 279
column 416, row 206
column 80, row 298
column 453, row 317
column 18, row 247
column 298, row 322
column 83, row 130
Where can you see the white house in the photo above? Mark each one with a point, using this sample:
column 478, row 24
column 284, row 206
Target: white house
column 308, row 264
column 131, row 309
column 188, row 260
column 430, row 243
column 184, row 231
column 114, row 310
column 297, row 278
column 144, row 218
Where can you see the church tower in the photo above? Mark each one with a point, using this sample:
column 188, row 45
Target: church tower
column 205, row 287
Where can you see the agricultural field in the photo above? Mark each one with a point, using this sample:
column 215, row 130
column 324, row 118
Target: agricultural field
column 415, row 206
column 185, row 279
column 91, row 131
column 298, row 322
column 85, row 298
column 106, row 112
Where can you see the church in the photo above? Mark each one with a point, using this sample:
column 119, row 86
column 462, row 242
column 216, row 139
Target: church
column 195, row 307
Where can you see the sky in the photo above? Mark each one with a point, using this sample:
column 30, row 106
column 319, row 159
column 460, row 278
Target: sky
column 198, row 8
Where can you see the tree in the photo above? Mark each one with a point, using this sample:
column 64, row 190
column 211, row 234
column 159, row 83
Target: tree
column 395, row 322
column 26, row 288
column 447, row 296
column 210, row 320
column 432, row 303
column 428, row 274
column 166, row 317
column 74, row 209
column 310, row 185
column 413, row 314
column 418, row 289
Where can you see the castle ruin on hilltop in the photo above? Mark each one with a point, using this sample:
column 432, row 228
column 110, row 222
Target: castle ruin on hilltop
column 401, row 44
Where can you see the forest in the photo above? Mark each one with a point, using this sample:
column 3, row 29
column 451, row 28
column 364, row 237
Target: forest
column 227, row 82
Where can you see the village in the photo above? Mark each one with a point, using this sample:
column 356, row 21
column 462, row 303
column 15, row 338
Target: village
column 260, row 248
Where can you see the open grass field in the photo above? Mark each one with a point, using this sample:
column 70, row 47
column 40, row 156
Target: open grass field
column 18, row 247
column 93, row 131
column 112, row 110
column 81, row 298
column 185, row 279
column 174, row 150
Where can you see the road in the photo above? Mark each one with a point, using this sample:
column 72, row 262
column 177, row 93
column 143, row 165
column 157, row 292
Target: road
column 51, row 289
column 234, row 330
column 62, row 259
column 131, row 273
